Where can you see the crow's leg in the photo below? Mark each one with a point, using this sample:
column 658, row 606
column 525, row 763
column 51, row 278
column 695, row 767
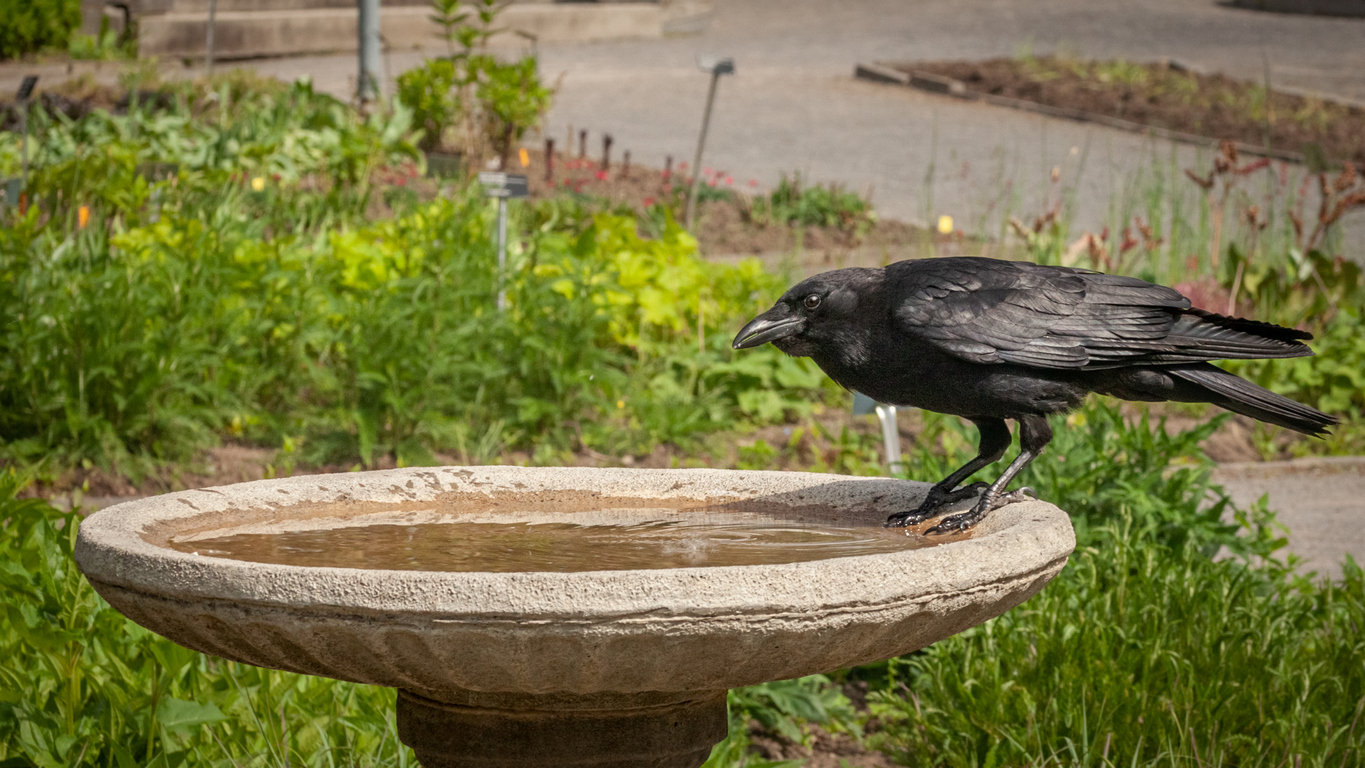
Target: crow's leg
column 1034, row 435
column 995, row 440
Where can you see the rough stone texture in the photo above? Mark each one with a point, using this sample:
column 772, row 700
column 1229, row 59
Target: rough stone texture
column 571, row 642
column 678, row 735
column 700, row 629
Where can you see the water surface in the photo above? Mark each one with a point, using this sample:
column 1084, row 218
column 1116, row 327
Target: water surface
column 642, row 539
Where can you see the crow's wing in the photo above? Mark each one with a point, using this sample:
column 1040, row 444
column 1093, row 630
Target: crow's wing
column 989, row 311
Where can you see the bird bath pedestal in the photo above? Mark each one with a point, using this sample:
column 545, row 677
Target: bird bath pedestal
column 621, row 668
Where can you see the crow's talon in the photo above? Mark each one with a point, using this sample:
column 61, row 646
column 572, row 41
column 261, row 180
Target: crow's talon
column 932, row 504
column 964, row 520
column 959, row 522
column 1023, row 494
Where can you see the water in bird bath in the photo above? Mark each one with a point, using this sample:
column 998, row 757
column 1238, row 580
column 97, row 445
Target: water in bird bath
column 597, row 540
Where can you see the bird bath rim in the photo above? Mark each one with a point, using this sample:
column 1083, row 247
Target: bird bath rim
column 486, row 658
column 125, row 545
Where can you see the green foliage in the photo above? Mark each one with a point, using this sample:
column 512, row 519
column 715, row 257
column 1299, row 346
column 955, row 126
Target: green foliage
column 782, row 706
column 28, row 26
column 812, row 206
column 104, row 45
column 496, row 101
column 466, row 33
column 511, row 98
column 133, row 337
column 1142, row 654
column 429, row 91
column 82, row 686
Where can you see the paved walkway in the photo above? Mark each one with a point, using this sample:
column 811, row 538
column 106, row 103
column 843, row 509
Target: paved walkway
column 1320, row 501
column 793, row 105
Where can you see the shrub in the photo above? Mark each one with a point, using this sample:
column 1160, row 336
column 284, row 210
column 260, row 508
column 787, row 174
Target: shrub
column 28, row 26
column 812, row 206
column 429, row 91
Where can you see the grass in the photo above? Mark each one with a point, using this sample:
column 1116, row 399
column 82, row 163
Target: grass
column 1143, row 654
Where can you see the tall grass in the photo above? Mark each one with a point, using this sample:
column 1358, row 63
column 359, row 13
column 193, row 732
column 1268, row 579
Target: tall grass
column 1143, row 655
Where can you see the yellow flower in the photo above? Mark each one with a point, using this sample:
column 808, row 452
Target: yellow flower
column 945, row 224
column 258, row 183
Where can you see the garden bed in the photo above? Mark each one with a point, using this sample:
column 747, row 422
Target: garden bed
column 1164, row 96
column 727, row 222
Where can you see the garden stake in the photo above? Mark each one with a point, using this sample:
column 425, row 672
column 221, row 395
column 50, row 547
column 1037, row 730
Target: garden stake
column 549, row 160
column 368, row 85
column 23, row 97
column 503, row 186
column 582, row 144
column 625, row 163
column 606, row 151
column 716, row 68
column 502, row 253
column 208, row 39
column 668, row 166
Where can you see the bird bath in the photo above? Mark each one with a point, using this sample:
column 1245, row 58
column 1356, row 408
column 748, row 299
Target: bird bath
column 560, row 616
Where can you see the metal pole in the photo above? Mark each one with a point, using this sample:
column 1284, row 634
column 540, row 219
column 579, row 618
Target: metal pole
column 502, row 252
column 701, row 143
column 23, row 143
column 368, row 86
column 208, row 52
column 891, row 437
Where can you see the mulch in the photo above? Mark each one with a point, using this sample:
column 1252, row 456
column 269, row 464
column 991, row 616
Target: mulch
column 1170, row 97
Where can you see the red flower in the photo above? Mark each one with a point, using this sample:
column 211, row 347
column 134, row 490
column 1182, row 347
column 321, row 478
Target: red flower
column 753, row 182
column 649, row 201
column 601, row 175
column 729, row 180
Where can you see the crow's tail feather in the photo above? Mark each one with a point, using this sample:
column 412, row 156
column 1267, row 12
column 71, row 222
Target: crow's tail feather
column 1238, row 395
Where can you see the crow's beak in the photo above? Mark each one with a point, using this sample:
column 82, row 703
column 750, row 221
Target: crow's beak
column 776, row 323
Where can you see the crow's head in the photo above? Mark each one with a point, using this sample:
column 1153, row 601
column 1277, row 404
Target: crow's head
column 819, row 314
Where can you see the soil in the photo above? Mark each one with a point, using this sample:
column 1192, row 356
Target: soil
column 1168, row 96
column 826, row 750
column 725, row 226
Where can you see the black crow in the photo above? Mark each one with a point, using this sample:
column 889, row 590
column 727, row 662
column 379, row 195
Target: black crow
column 991, row 340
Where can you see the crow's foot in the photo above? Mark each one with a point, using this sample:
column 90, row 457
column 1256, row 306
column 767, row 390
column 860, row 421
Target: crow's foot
column 988, row 502
column 932, row 504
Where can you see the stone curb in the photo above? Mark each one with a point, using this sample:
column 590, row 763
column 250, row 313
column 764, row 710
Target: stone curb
column 947, row 86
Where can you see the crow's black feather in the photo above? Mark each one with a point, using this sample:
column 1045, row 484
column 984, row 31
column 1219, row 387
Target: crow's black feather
column 990, row 340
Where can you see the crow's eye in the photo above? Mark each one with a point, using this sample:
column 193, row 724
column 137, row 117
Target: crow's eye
column 812, row 301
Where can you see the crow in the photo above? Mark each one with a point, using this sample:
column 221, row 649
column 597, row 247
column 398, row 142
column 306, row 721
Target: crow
column 990, row 340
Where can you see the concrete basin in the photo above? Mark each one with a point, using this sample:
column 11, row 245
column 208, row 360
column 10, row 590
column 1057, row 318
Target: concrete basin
column 625, row 667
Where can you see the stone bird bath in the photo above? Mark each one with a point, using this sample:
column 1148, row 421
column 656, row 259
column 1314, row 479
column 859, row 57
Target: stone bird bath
column 622, row 668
